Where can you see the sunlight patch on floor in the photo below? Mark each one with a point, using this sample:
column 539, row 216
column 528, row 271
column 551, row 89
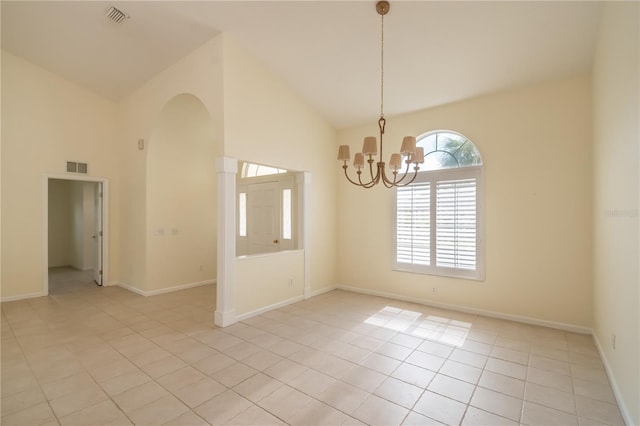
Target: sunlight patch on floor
column 431, row 327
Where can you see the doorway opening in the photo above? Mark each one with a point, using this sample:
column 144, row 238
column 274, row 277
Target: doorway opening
column 75, row 239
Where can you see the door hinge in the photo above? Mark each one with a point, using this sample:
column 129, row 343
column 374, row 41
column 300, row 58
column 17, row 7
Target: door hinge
column 100, row 272
column 100, row 195
column 100, row 233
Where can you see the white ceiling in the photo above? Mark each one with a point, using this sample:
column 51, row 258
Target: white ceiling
column 436, row 52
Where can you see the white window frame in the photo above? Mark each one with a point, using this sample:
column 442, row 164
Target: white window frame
column 242, row 214
column 286, row 209
column 434, row 176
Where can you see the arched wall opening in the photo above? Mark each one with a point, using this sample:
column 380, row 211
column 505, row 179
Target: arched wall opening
column 181, row 197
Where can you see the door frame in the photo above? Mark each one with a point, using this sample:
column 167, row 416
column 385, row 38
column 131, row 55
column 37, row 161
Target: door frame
column 98, row 233
column 45, row 224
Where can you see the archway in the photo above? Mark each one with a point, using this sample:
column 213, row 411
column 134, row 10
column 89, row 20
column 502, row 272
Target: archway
column 181, row 197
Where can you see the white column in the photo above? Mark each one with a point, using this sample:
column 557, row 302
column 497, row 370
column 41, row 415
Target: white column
column 303, row 182
column 226, row 170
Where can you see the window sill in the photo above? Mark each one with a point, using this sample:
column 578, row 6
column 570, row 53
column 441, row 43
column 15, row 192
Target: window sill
column 442, row 272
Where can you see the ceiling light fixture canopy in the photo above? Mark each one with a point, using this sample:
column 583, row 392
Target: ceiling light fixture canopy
column 412, row 155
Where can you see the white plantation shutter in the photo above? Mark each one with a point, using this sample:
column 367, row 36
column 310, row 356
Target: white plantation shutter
column 413, row 225
column 456, row 224
column 438, row 224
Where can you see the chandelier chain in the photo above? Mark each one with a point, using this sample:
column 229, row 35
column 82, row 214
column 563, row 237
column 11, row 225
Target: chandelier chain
column 382, row 66
column 412, row 155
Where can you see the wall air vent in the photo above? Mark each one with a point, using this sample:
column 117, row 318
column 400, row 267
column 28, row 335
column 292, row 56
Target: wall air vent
column 116, row 15
column 75, row 167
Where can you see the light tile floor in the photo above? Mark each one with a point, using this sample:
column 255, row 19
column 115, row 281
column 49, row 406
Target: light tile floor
column 87, row 355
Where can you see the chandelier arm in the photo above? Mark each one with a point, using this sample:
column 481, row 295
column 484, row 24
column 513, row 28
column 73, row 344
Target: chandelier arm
column 361, row 183
column 397, row 183
column 415, row 175
column 369, row 185
column 388, row 183
column 378, row 176
column 370, row 161
column 395, row 180
column 379, row 173
column 348, row 178
column 404, row 175
column 366, row 184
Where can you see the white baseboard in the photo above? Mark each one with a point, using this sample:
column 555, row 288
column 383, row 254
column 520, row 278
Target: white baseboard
column 22, row 297
column 162, row 290
column 320, row 291
column 120, row 284
column 264, row 309
column 469, row 310
column 626, row 415
column 226, row 318
column 129, row 287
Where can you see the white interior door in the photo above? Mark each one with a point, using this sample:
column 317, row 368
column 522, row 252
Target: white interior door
column 263, row 218
column 98, row 235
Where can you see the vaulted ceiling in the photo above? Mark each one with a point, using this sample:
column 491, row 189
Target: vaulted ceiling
column 436, row 52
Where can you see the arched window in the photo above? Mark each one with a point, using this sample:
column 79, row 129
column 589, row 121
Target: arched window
column 439, row 217
column 250, row 170
column 446, row 149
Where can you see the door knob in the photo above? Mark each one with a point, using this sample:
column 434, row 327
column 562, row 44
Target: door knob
column 275, row 241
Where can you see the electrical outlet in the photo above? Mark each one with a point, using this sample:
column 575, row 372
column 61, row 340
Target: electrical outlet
column 290, row 282
column 435, row 290
column 613, row 341
column 201, row 268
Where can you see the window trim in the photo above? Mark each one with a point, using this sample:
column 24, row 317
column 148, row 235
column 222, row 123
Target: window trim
column 242, row 214
column 433, row 176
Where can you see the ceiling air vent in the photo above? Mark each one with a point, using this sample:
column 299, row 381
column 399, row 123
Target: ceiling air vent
column 116, row 15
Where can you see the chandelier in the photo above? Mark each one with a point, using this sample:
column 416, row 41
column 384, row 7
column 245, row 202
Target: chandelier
column 411, row 154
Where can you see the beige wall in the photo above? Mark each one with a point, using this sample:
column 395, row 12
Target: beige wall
column 82, row 224
column 199, row 74
column 536, row 146
column 60, row 224
column 267, row 123
column 88, row 225
column 181, row 196
column 46, row 121
column 616, row 192
column 282, row 131
column 263, row 121
column 77, row 225
column 269, row 279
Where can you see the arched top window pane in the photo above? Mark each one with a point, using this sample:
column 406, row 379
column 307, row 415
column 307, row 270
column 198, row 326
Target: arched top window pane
column 447, row 149
column 255, row 170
